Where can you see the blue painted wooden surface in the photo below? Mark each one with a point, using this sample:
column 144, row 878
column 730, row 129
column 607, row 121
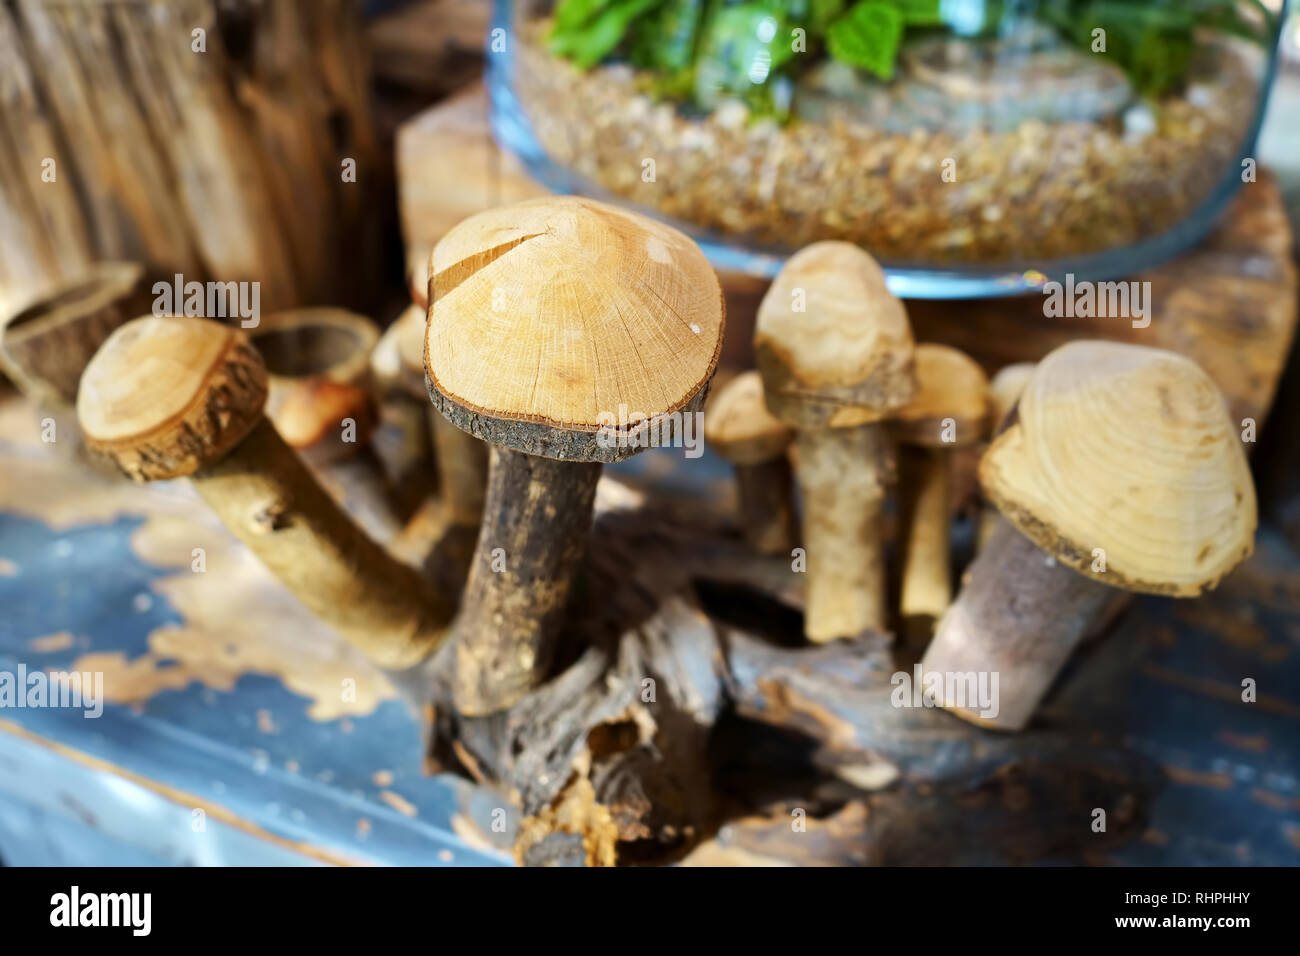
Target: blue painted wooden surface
column 299, row 794
column 86, row 581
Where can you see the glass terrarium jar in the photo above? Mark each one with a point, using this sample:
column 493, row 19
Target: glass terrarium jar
column 972, row 146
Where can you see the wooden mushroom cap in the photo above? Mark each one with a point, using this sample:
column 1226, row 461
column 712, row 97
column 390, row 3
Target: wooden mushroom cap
column 318, row 363
column 1005, row 389
column 845, row 357
column 950, row 385
column 738, row 426
column 552, row 316
column 397, row 361
column 1128, row 449
column 410, row 348
column 165, row 396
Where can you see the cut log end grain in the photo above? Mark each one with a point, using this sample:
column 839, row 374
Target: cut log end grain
column 166, row 396
column 1123, row 458
column 566, row 316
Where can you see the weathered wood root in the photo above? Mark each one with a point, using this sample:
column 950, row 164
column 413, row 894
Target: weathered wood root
column 660, row 723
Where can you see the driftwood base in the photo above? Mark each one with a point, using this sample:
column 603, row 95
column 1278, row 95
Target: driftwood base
column 666, row 727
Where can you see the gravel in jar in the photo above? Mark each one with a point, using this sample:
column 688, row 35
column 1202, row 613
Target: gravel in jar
column 1038, row 190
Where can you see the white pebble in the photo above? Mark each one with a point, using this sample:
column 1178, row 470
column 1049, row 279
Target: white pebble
column 1139, row 121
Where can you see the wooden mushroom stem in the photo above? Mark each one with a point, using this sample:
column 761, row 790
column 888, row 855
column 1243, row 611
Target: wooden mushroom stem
column 842, row 476
column 926, row 577
column 270, row 501
column 1019, row 615
column 536, row 518
column 765, row 496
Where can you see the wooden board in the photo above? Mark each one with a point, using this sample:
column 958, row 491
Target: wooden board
column 225, row 696
column 223, row 162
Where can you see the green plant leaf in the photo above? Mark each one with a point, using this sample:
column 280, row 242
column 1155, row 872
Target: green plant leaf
column 664, row 40
column 821, row 13
column 867, row 37
column 920, row 13
column 590, row 42
column 743, row 46
column 572, row 15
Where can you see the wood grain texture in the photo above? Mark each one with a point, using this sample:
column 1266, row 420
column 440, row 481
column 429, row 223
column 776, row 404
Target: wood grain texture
column 166, row 396
column 129, row 191
column 221, row 161
column 843, row 478
column 1129, row 450
column 833, row 344
column 45, row 235
column 46, row 345
column 560, row 313
column 536, row 517
column 1020, row 615
column 264, row 494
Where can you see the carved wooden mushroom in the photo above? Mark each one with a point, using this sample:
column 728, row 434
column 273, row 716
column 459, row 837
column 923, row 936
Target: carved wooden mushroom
column 949, row 411
column 441, row 534
column 44, row 346
column 403, row 442
column 1004, row 392
column 462, row 459
column 321, row 399
column 566, row 333
column 835, row 351
column 738, row 426
column 1119, row 470
column 167, row 397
